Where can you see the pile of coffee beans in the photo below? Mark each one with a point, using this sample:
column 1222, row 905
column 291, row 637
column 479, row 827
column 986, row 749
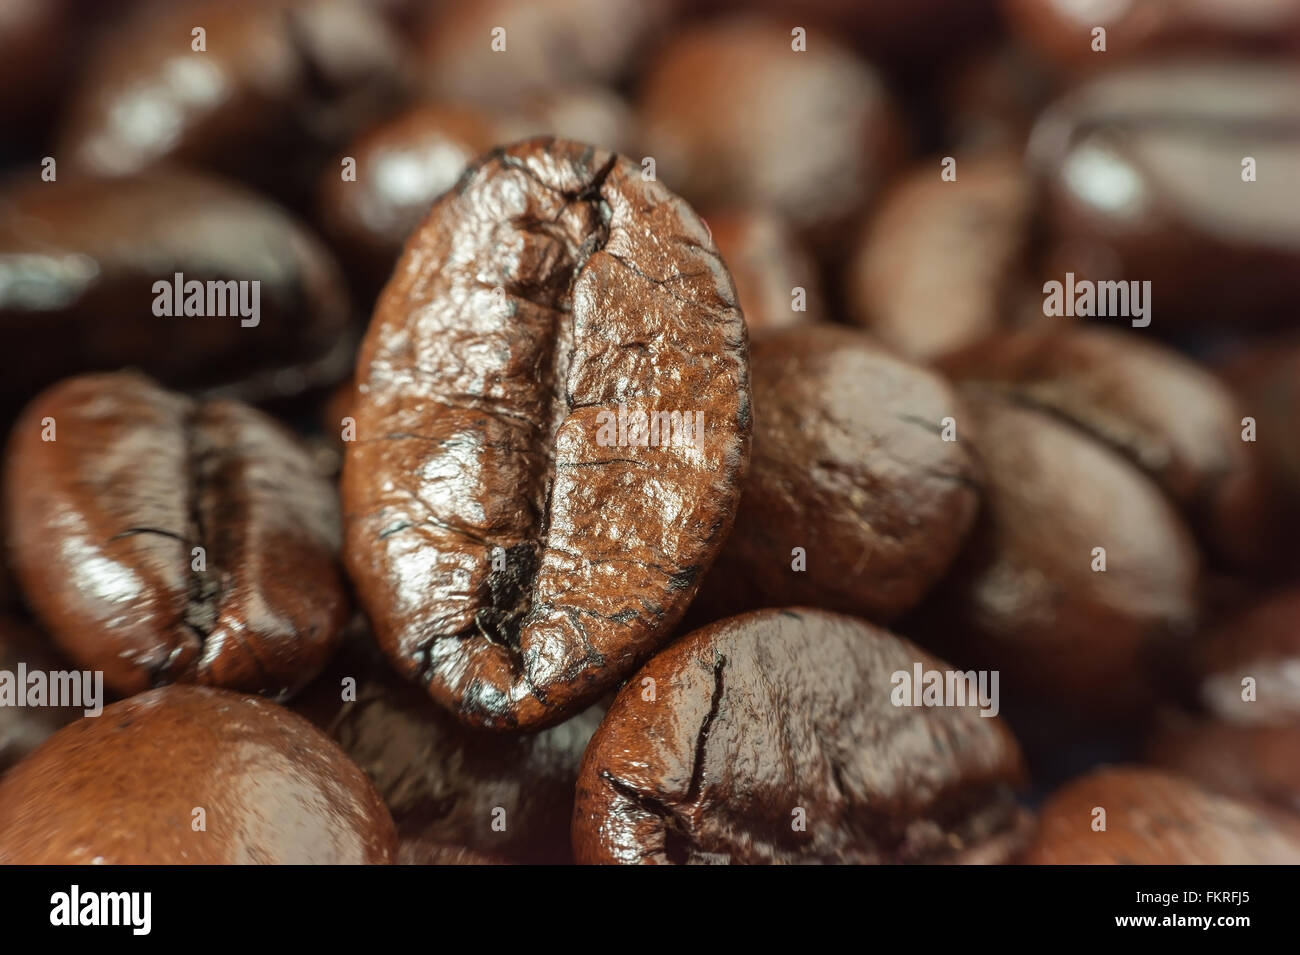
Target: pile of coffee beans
column 491, row 432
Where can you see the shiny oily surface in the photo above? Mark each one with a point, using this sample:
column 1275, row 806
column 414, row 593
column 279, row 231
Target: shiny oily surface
column 122, row 789
column 1024, row 598
column 850, row 466
column 509, row 556
column 759, row 716
column 1141, row 175
column 404, row 163
column 504, row 795
column 1165, row 413
column 1156, row 818
column 103, row 523
column 79, row 259
column 277, row 79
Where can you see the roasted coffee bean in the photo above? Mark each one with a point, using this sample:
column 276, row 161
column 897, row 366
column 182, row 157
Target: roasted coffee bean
column 733, row 116
column 1251, row 762
column 1165, row 413
column 907, row 33
column 1145, row 177
column 278, row 84
column 23, row 728
column 855, row 501
column 1249, row 667
column 776, row 278
column 33, row 39
column 1063, row 30
column 1077, row 575
column 404, row 164
column 85, row 263
column 990, row 98
column 509, row 796
column 496, row 51
column 164, row 540
column 517, row 550
column 939, row 264
column 773, row 737
column 1155, row 818
column 1267, row 379
column 186, row 775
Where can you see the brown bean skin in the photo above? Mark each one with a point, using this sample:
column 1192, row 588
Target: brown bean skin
column 1057, row 31
column 509, row 556
column 849, row 465
column 80, row 258
column 1024, row 596
column 731, row 114
column 1164, row 412
column 708, row 752
column 122, row 789
column 939, row 265
column 508, row 796
column 768, row 262
column 280, row 84
column 1156, row 818
column 103, row 524
column 1141, row 177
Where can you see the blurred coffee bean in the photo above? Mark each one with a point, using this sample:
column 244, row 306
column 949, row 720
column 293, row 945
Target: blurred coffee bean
column 1249, row 667
column 34, row 37
column 401, row 167
column 1155, row 818
column 776, row 279
column 495, row 51
column 420, row 852
column 23, row 728
column 1251, row 762
column 1267, row 379
column 191, row 776
column 1077, row 571
column 990, row 98
column 940, row 264
column 504, row 795
column 163, row 540
column 278, row 85
column 723, row 742
column 733, row 116
column 404, row 164
column 909, row 34
column 586, row 114
column 1145, row 178
column 88, row 270
column 854, row 501
column 1063, row 31
column 518, row 550
column 1167, row 415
